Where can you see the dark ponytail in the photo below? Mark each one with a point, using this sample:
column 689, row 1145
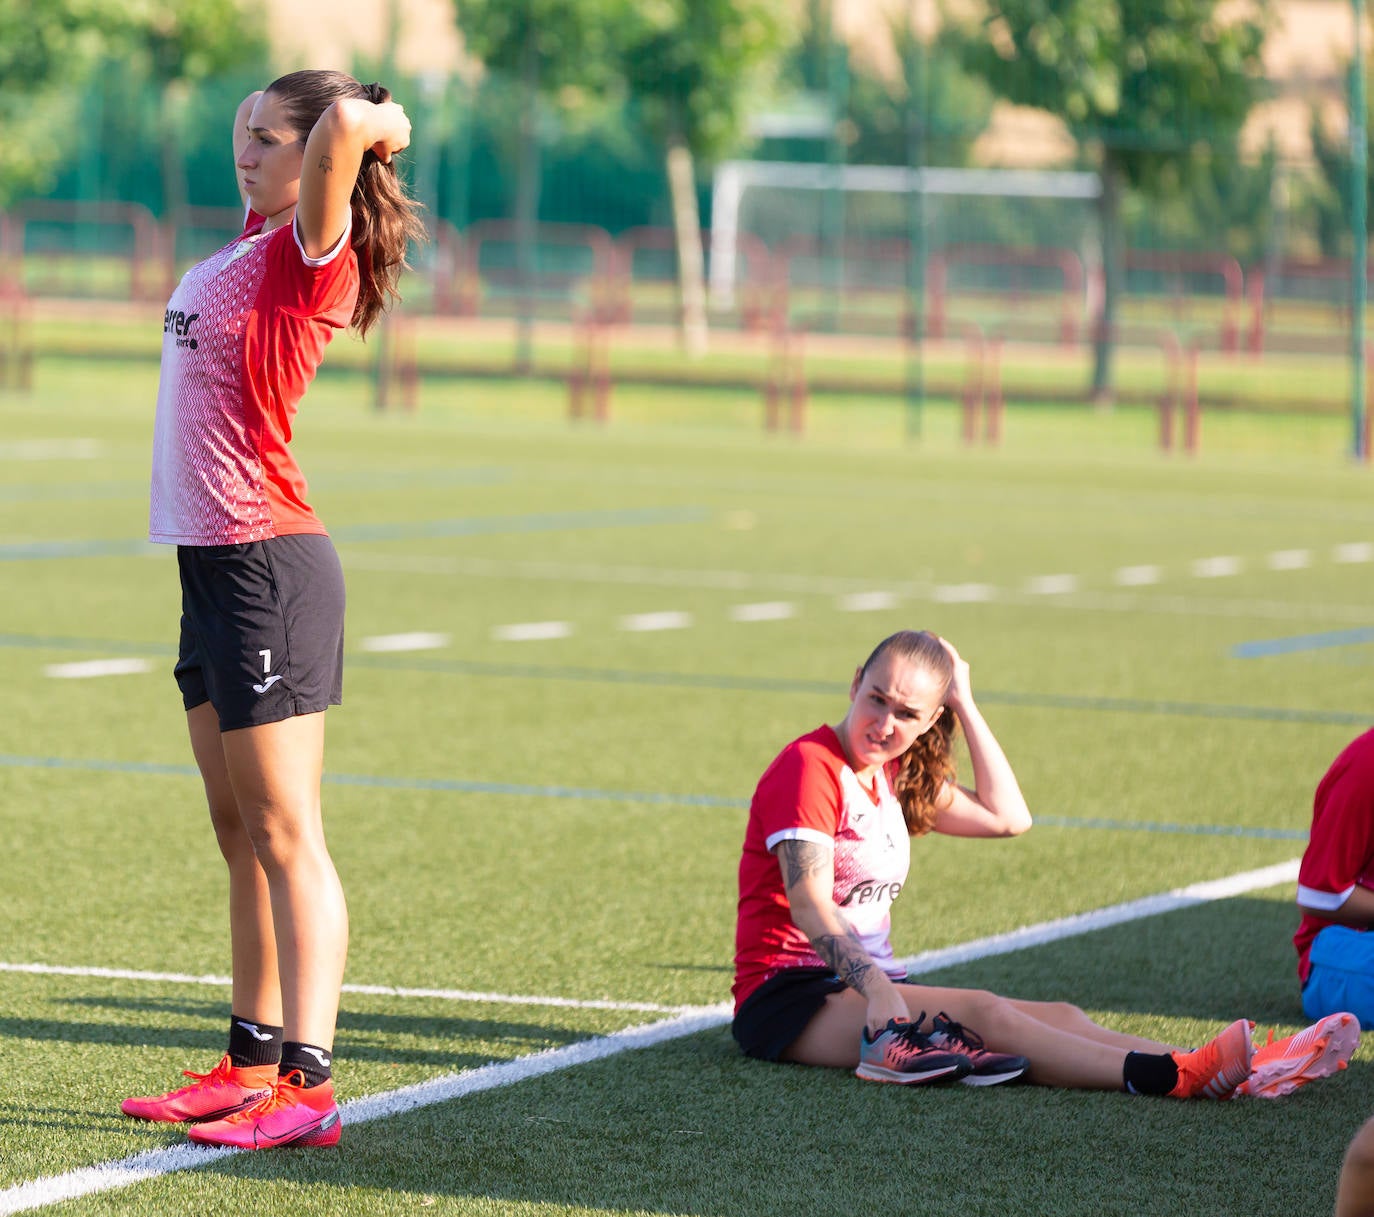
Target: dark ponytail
column 385, row 218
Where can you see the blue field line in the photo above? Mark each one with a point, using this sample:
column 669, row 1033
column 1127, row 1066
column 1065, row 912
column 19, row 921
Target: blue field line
column 781, row 684
column 29, row 551
column 552, row 521
column 750, row 684
column 35, row 492
column 121, row 646
column 1199, row 830
column 530, row 790
column 354, row 534
column 1265, row 647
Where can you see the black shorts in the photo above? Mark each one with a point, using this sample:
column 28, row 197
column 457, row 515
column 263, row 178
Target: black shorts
column 261, row 629
column 775, row 1013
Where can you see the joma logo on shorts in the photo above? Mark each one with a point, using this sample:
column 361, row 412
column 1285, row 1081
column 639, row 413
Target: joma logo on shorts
column 179, row 323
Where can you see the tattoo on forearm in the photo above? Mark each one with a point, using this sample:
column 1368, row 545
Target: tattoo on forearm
column 800, row 859
column 326, row 164
column 847, row 956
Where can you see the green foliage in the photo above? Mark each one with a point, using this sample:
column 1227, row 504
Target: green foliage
column 1228, row 206
column 562, row 43
column 1333, row 191
column 695, row 67
column 43, row 49
column 1151, row 82
column 59, row 56
column 949, row 111
column 189, row 40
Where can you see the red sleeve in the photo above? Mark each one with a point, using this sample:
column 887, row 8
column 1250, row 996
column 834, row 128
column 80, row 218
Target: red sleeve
column 799, row 795
column 314, row 287
column 1340, row 852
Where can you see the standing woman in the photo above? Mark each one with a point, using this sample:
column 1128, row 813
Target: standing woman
column 261, row 650
column 826, row 852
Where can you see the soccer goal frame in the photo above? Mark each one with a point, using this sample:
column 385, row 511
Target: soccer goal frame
column 733, row 178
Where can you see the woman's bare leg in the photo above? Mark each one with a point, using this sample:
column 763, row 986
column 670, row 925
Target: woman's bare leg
column 256, row 992
column 1062, row 1046
column 275, row 771
column 1355, row 1191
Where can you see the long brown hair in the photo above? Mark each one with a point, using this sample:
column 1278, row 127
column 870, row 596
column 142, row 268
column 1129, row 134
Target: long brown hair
column 924, row 768
column 385, row 218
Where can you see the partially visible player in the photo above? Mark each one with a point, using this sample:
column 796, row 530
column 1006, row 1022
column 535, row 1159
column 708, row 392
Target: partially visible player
column 1355, row 1189
column 1336, row 890
column 826, row 852
column 262, row 593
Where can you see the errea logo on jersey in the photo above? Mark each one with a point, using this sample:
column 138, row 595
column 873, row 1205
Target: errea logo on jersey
column 179, row 323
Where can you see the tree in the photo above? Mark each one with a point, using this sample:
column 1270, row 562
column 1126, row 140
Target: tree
column 694, row 67
column 44, row 50
column 1335, row 201
column 561, row 52
column 1144, row 86
column 178, row 45
column 49, row 50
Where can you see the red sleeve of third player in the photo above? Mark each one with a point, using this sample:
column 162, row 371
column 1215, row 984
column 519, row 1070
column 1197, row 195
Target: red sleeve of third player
column 1340, row 853
column 799, row 795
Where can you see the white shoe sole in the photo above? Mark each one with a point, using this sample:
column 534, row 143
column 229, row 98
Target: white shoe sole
column 1332, row 1047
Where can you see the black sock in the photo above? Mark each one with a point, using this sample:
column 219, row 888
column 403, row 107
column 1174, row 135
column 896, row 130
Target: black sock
column 1149, row 1072
column 312, row 1061
column 253, row 1043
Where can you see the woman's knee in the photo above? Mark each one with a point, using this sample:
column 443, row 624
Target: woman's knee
column 231, row 834
column 283, row 840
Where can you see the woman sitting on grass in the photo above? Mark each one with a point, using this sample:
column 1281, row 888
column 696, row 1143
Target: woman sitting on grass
column 826, row 852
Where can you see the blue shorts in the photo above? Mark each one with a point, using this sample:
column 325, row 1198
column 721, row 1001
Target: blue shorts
column 1342, row 975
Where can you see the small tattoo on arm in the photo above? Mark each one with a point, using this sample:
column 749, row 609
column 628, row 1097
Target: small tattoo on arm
column 326, row 164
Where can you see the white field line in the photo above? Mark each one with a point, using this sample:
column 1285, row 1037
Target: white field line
column 416, row 641
column 457, row 995
column 532, row 631
column 106, row 1176
column 1098, row 919
column 86, row 669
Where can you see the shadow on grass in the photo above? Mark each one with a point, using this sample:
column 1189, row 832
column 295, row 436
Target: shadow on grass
column 362, row 1035
column 692, row 1127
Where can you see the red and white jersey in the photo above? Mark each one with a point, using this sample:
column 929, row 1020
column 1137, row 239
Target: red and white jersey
column 809, row 793
column 244, row 332
column 1340, row 849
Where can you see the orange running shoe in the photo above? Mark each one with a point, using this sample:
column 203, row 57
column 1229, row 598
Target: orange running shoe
column 291, row 1114
column 1218, row 1067
column 1281, row 1066
column 227, row 1088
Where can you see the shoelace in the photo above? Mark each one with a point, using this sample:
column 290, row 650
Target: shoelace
column 278, row 1096
column 946, row 1026
column 908, row 1036
column 220, row 1073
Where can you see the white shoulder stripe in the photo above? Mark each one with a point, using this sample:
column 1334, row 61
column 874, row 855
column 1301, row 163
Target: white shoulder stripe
column 1326, row 902
column 798, row 834
column 323, row 259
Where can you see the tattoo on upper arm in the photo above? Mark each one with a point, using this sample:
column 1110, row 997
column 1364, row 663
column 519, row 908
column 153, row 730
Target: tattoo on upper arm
column 800, row 859
column 326, row 164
